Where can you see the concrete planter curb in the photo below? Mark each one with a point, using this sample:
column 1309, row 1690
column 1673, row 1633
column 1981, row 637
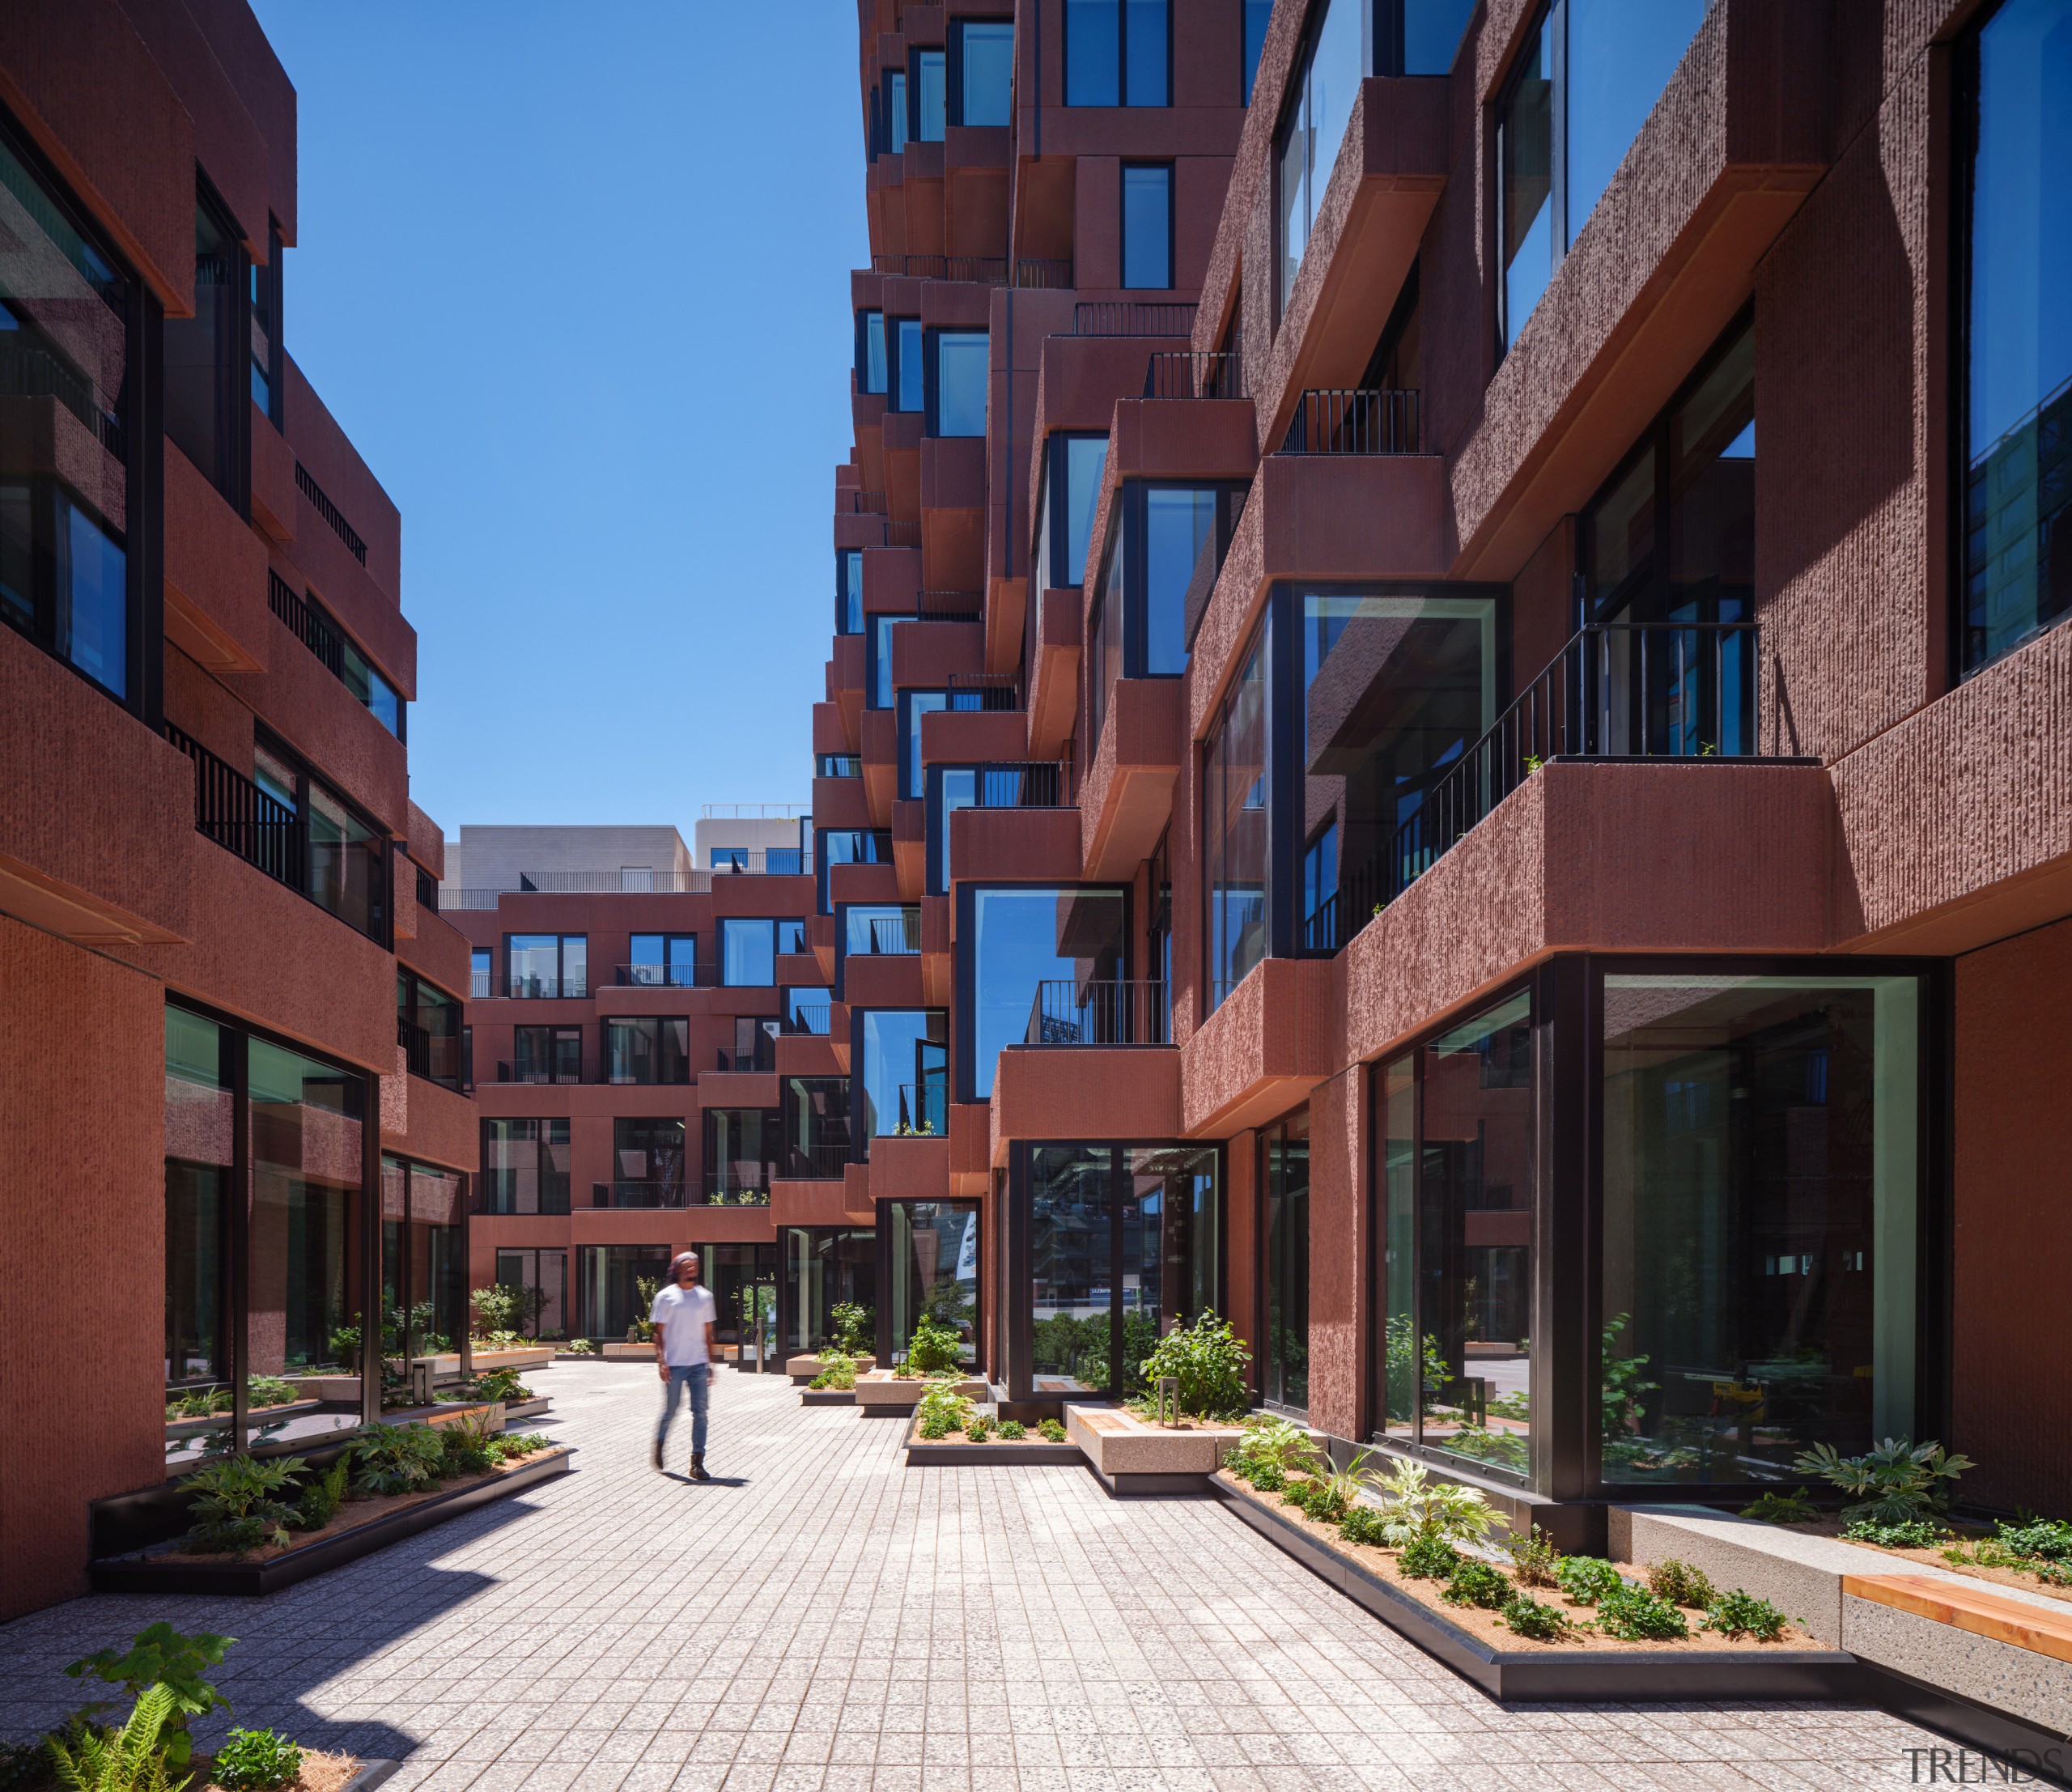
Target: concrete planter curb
column 999, row 1453
column 370, row 1774
column 802, row 1370
column 827, row 1396
column 1133, row 1456
column 883, row 1396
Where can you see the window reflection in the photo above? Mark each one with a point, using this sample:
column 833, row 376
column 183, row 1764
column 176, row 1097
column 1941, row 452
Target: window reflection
column 958, row 404
column 1234, row 831
column 935, row 1270
column 985, row 70
column 905, row 1070
column 1148, row 225
column 1037, row 957
column 1284, row 1355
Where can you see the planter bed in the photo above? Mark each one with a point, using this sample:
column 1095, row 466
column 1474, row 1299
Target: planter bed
column 802, row 1370
column 1707, row 1667
column 884, row 1396
column 1832, row 1529
column 995, row 1452
column 536, row 1408
column 1134, row 1455
column 827, row 1396
column 361, row 1527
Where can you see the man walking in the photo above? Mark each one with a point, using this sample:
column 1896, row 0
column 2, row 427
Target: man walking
column 685, row 1350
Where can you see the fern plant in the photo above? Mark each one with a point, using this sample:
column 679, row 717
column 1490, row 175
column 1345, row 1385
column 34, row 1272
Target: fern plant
column 397, row 1459
column 133, row 1759
column 323, row 1494
column 239, row 1505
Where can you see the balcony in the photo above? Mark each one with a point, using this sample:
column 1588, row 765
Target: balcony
column 518, row 1203
column 742, row 1183
column 434, row 1056
column 1067, row 1013
column 239, row 817
column 985, row 270
column 653, row 976
column 528, row 988
column 807, row 1018
column 1179, row 373
column 924, row 1111
column 1133, row 317
column 509, row 1073
column 826, row 1161
column 1616, row 691
column 1360, row 421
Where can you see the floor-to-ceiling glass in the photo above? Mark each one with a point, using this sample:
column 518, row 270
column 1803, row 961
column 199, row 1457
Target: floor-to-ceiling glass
column 824, row 1269
column 198, row 1172
column 1284, row 1352
column 617, row 1285
column 934, row 1264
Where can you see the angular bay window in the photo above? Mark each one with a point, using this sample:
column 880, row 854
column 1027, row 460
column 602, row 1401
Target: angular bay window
column 956, row 373
column 1589, row 72
column 815, row 1120
column 1046, row 966
column 546, row 965
column 834, row 845
column 748, row 949
column 650, row 1048
column 525, row 1166
column 926, row 86
column 849, row 591
column 901, row 1061
column 1236, row 850
column 981, row 70
column 1762, row 1184
column 1148, row 224
column 871, row 361
column 2017, row 348
column 1118, row 52
column 207, row 396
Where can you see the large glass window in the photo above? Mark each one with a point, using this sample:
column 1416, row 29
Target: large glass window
column 2018, row 330
column 541, row 1276
column 1022, row 785
column 1236, row 845
column 1284, row 1354
column 1761, row 1190
column 815, row 1114
column 1404, row 1372
column 1589, row 75
column 648, row 1168
column 545, row 1055
column 748, row 949
column 875, row 929
column 428, row 1027
column 982, row 71
column 424, row 1265
column 871, row 361
column 957, row 382
column 649, row 1049
column 525, row 1165
column 895, row 112
column 849, row 591
column 926, row 81
column 1071, row 1211
column 833, row 846
column 1320, row 103
column 935, row 1270
column 1395, row 688
column 1072, row 467
column 824, row 1268
column 878, row 688
column 1118, row 53
column 1038, row 960
column 616, row 1285
column 1148, row 224
column 668, row 959
column 207, row 389
column 546, row 965
column 908, row 373
column 741, row 1146
column 903, row 1057
column 199, row 1076
column 806, row 1008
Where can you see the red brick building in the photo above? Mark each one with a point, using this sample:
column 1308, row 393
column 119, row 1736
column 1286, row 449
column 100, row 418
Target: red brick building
column 1421, row 835
column 211, row 1081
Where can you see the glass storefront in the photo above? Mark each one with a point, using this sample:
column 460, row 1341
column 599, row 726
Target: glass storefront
column 424, row 1269
column 1284, row 1352
column 824, row 1269
column 610, row 1292
column 933, row 1269
column 743, row 1278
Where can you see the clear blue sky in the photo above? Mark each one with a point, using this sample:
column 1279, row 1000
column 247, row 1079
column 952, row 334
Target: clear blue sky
column 575, row 280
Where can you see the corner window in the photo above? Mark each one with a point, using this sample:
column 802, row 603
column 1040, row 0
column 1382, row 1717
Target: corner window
column 2017, row 361
column 1148, row 224
column 1590, row 73
column 903, row 1056
column 926, row 78
column 849, row 591
column 544, row 966
column 981, row 71
column 870, row 351
column 1042, row 965
column 749, row 949
column 957, row 372
column 1118, row 53
column 1072, row 467
column 1235, row 845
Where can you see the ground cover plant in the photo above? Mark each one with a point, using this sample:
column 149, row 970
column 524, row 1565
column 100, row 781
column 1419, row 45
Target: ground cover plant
column 1051, row 1432
column 1208, row 1359
column 1791, row 1506
column 838, row 1371
column 253, row 1761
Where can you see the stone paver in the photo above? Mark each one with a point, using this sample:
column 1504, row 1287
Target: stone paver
column 827, row 1618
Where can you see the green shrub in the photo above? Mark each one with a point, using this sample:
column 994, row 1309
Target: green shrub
column 1912, row 1533
column 2043, row 1540
column 1587, row 1579
column 933, row 1427
column 240, row 1504
column 500, row 1307
column 1362, row 1524
column 943, row 1402
column 583, row 1347
column 1416, row 1506
column 1477, row 1583
column 978, row 1430
column 1632, row 1614
column 268, row 1391
column 1739, row 1614
column 854, row 1326
column 934, row 1349
column 1535, row 1561
column 251, row 1761
column 514, row 1445
column 1051, row 1432
column 1788, row 1506
column 1315, row 1496
column 1013, row 1431
column 1893, row 1482
column 1268, row 1478
column 1279, row 1442
column 838, row 1370
column 160, row 1658
column 397, row 1459
column 1681, row 1584
column 1523, row 1615
column 501, row 1384
column 323, row 1494
column 1208, row 1361
column 464, row 1447
column 1429, row 1558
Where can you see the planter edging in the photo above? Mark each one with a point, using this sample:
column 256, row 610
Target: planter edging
column 1032, row 1452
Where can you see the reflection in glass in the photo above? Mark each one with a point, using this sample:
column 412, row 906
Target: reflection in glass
column 748, row 952
column 543, row 1277
column 1179, row 538
column 960, row 407
column 1621, row 56
column 1403, row 1360
column 1023, row 938
column 1474, row 1237
column 849, row 571
column 910, row 381
column 1147, row 226
column 1283, row 1356
column 740, row 1151
column 903, row 1050
column 648, row 1161
column 424, row 1270
column 935, row 1270
column 204, row 360
column 929, row 113
column 1072, row 1246
column 870, row 353
column 1257, row 13
column 815, row 1126
column 525, row 1165
column 1172, row 1246
column 198, row 1192
column 987, row 72
column 611, row 1293
column 1235, row 816
column 1761, row 1184
column 1093, row 64
column 1525, row 204
column 882, row 928
column 650, row 1048
column 2018, row 486
column 1317, row 114
column 823, row 1268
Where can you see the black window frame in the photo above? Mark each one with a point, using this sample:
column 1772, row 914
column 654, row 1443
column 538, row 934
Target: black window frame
column 915, row 53
column 559, row 1034
column 881, row 842
column 893, row 407
column 1171, row 169
column 560, row 967
column 307, row 780
column 865, row 313
column 954, row 72
column 232, row 476
column 684, row 1076
column 848, row 603
column 413, row 1036
column 1122, row 100
column 859, row 1134
column 931, row 337
column 485, row 1196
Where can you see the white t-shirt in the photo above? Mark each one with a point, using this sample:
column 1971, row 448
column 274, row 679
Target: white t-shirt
column 683, row 1314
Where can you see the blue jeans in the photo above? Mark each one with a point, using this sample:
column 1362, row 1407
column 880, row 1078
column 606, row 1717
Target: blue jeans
column 698, row 1377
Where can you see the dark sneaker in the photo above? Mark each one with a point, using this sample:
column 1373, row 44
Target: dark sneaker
column 655, row 1457
column 698, row 1469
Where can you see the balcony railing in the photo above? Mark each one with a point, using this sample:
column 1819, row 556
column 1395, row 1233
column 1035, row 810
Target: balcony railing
column 667, row 1193
column 489, row 1199
column 1616, row 690
column 923, row 1111
column 1133, row 317
column 523, row 987
column 826, row 1161
column 891, row 935
column 950, row 606
column 235, row 813
column 807, row 1017
column 330, row 513
column 741, row 1184
column 670, row 976
column 850, row 502
column 1355, row 422
column 758, row 1059
column 988, row 271
column 1068, row 1013
column 434, row 1056
column 970, row 690
column 27, row 372
column 507, row 1072
column 1180, row 375
column 903, row 535
column 481, row 984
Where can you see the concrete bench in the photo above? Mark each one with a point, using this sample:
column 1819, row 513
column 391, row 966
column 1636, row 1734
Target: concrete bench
column 1132, row 1455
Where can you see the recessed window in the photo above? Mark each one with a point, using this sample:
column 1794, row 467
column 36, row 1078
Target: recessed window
column 1590, row 73
column 880, row 929
column 871, row 367
column 1118, row 53
column 957, row 382
column 546, row 965
column 981, row 70
column 926, row 79
column 267, row 283
column 908, row 374
column 482, row 972
column 1257, row 15
column 1319, row 103
column 806, row 1009
column 545, row 1055
column 1283, row 1357
column 340, row 858
column 833, row 846
column 1148, row 224
column 895, row 112
column 1016, row 784
column 207, row 389
column 837, row 765
column 2017, row 363
column 741, row 1146
column 1072, row 466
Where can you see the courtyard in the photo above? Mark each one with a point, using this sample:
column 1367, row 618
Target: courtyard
column 822, row 1617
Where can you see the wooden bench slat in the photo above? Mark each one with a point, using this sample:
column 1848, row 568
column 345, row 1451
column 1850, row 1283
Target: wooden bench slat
column 1982, row 1614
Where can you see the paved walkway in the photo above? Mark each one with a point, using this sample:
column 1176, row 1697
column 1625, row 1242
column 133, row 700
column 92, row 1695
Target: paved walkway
column 824, row 1618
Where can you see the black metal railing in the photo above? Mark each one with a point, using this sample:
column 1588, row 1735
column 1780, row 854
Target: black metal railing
column 1024, row 783
column 758, row 1059
column 983, row 691
column 1045, row 274
column 825, row 1160
column 237, row 814
column 307, row 627
column 885, row 935
column 907, row 535
column 1066, row 1011
column 507, row 1071
column 434, row 1056
column 850, row 502
column 743, row 1183
column 523, row 986
column 808, row 1018
column 28, row 371
column 670, row 976
column 665, row 1193
column 1354, row 421
column 923, row 1111
column 1176, row 373
column 1615, row 691
column 1133, row 317
column 950, row 606
column 490, row 1199
column 987, row 271
column 330, row 512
